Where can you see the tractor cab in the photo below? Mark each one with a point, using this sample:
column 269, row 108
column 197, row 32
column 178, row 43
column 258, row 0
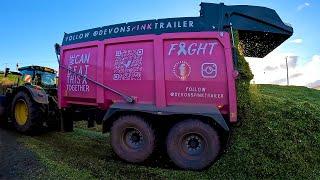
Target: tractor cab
column 39, row 76
column 30, row 100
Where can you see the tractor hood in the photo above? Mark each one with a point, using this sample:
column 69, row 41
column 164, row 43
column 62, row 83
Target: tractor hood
column 260, row 29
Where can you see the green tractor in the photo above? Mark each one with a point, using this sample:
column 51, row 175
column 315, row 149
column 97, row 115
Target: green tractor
column 30, row 101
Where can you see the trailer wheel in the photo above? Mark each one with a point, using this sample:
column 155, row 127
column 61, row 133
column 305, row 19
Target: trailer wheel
column 192, row 144
column 26, row 114
column 132, row 138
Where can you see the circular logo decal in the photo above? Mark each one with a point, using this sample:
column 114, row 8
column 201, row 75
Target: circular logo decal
column 182, row 70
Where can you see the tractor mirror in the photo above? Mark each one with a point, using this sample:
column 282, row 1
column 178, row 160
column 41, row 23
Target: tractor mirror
column 57, row 48
column 6, row 72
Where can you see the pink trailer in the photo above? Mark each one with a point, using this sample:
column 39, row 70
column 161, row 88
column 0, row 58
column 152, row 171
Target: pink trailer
column 170, row 81
column 178, row 69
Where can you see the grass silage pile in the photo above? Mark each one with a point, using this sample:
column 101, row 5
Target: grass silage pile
column 280, row 131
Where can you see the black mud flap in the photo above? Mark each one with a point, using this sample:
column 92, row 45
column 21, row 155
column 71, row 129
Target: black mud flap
column 38, row 95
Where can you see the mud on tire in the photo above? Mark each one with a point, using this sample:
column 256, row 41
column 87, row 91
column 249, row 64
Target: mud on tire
column 33, row 113
column 192, row 144
column 132, row 138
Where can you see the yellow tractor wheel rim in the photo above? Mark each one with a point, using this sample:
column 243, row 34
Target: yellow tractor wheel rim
column 21, row 112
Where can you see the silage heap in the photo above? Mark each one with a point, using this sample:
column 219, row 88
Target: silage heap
column 242, row 82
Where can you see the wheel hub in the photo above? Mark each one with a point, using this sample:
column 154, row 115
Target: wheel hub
column 133, row 138
column 193, row 144
column 21, row 112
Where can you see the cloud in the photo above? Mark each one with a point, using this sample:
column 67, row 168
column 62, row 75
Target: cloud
column 297, row 41
column 284, row 80
column 279, row 81
column 272, row 69
column 292, row 62
column 295, row 75
column 315, row 84
column 302, row 6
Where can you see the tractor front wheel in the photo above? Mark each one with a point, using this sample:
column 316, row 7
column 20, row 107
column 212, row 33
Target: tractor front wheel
column 25, row 113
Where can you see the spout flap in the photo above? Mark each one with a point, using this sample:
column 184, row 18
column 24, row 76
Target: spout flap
column 260, row 29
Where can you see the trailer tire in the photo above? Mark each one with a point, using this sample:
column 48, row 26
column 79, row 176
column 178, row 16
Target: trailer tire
column 132, row 138
column 25, row 113
column 192, row 144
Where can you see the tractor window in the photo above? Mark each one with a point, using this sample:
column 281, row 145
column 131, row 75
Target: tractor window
column 48, row 79
column 27, row 75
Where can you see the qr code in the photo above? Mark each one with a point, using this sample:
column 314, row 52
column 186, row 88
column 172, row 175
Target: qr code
column 128, row 64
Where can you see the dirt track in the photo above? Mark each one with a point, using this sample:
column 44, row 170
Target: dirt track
column 16, row 162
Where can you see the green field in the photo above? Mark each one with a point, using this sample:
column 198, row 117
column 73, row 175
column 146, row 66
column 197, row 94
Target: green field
column 7, row 81
column 279, row 139
column 10, row 77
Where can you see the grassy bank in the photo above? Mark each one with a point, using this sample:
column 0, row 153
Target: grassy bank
column 280, row 138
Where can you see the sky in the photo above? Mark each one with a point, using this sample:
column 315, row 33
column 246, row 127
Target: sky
column 30, row 28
